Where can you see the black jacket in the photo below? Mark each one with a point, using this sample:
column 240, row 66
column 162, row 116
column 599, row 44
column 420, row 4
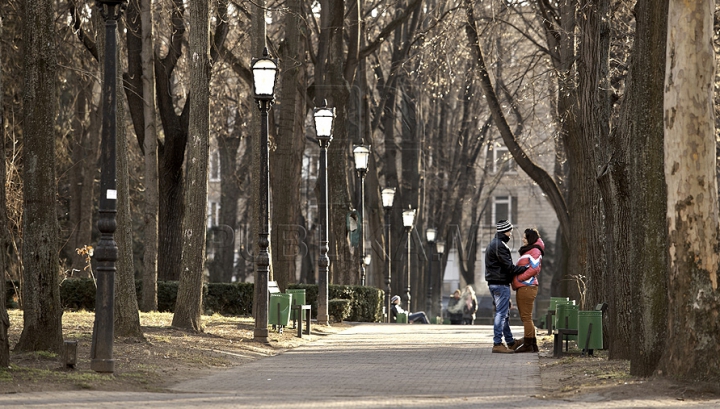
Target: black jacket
column 499, row 267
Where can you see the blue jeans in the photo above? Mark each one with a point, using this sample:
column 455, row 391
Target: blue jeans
column 418, row 316
column 501, row 324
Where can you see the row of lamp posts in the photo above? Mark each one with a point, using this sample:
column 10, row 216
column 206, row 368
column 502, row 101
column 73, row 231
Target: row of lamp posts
column 264, row 71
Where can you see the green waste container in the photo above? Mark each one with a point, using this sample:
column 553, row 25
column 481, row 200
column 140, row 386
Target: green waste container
column 298, row 298
column 558, row 303
column 401, row 318
column 569, row 311
column 596, row 337
column 554, row 301
column 280, row 309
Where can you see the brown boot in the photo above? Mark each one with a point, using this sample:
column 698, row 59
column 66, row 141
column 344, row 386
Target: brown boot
column 527, row 346
column 517, row 344
column 501, row 349
column 534, row 345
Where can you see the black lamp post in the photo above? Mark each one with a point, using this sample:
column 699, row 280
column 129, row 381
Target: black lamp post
column 388, row 195
column 440, row 248
column 264, row 71
column 430, row 234
column 361, row 154
column 324, row 117
column 408, row 222
column 106, row 254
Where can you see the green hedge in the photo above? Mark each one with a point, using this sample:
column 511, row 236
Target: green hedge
column 364, row 304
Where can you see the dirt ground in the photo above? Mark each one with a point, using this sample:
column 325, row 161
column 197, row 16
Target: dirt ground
column 168, row 355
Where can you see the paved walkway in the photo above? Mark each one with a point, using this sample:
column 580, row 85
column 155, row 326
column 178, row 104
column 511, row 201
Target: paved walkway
column 366, row 366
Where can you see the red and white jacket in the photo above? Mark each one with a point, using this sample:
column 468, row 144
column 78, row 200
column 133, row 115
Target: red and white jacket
column 532, row 258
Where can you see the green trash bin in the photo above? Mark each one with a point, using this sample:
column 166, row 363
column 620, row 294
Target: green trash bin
column 554, row 301
column 585, row 318
column 558, row 303
column 569, row 311
column 401, row 318
column 279, row 309
column 298, row 298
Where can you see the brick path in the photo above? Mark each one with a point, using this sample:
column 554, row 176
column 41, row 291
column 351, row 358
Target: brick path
column 366, row 366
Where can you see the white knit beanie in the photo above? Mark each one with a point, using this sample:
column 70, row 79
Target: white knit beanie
column 503, row 226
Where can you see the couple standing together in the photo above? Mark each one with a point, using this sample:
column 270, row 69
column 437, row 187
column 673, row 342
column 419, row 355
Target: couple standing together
column 501, row 273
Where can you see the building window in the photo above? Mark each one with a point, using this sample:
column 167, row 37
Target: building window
column 213, row 214
column 502, row 208
column 499, row 160
column 214, row 165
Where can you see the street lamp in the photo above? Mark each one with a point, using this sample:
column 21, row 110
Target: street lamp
column 430, row 234
column 440, row 248
column 106, row 254
column 388, row 195
column 264, row 71
column 408, row 222
column 361, row 154
column 324, row 117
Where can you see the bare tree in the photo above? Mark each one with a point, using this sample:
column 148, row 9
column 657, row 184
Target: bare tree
column 286, row 158
column 188, row 306
column 42, row 318
column 150, row 255
column 692, row 349
column 4, row 234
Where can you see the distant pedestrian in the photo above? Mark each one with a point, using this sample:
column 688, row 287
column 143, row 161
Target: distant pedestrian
column 499, row 272
column 526, row 285
column 469, row 303
column 414, row 317
column 455, row 308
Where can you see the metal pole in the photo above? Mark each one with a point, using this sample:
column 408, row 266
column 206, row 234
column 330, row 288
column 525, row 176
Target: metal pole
column 323, row 260
column 362, row 227
column 106, row 254
column 388, row 264
column 407, row 290
column 262, row 262
column 430, row 277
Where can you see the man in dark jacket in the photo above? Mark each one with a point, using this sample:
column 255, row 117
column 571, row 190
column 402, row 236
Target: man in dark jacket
column 499, row 272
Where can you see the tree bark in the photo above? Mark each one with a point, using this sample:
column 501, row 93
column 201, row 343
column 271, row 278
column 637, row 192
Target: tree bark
column 638, row 296
column 4, row 233
column 693, row 337
column 85, row 155
column 188, row 307
column 150, row 219
column 42, row 318
column 126, row 317
column 286, row 159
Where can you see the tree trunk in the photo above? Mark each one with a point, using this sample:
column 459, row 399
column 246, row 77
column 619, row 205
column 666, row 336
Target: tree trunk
column 342, row 270
column 286, row 159
column 42, row 318
column 150, row 219
column 85, row 155
column 693, row 336
column 638, row 296
column 188, row 306
column 222, row 266
column 4, row 234
column 126, row 316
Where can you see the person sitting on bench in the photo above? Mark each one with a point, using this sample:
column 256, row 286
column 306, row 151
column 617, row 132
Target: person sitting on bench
column 414, row 317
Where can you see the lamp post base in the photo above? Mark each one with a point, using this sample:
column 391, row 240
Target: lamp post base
column 103, row 365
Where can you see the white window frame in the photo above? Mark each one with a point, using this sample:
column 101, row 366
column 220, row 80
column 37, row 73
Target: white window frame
column 499, row 162
column 213, row 216
column 502, row 200
column 214, row 165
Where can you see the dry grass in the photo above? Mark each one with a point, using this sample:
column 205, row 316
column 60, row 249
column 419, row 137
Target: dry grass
column 166, row 355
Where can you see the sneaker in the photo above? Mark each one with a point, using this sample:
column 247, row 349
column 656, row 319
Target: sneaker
column 515, row 345
column 501, row 349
